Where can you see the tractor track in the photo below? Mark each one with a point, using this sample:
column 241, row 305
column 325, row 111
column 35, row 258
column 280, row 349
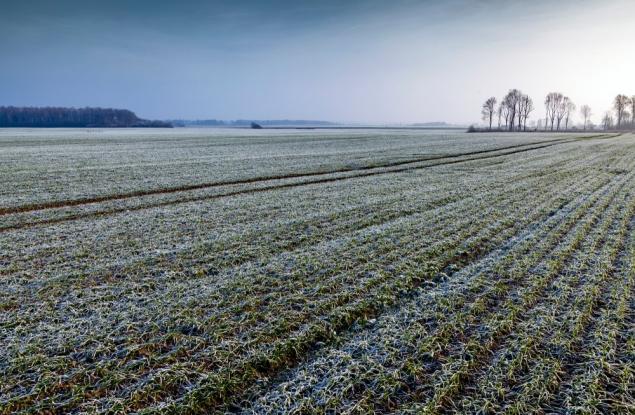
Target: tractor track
column 366, row 171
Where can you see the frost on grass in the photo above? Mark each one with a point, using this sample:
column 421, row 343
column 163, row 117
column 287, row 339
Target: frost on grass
column 365, row 271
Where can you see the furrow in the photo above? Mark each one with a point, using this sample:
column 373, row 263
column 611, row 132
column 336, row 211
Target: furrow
column 415, row 234
column 551, row 328
column 444, row 333
column 476, row 353
column 504, row 233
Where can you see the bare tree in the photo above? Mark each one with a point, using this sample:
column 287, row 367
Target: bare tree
column 553, row 103
column 632, row 102
column 585, row 111
column 526, row 107
column 620, row 104
column 607, row 121
column 569, row 108
column 561, row 109
column 512, row 100
column 505, row 111
column 521, row 111
column 488, row 110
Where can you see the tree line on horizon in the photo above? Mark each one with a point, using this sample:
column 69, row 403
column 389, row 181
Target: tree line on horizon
column 41, row 117
column 513, row 110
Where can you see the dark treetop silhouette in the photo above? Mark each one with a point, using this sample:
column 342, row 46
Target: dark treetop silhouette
column 72, row 117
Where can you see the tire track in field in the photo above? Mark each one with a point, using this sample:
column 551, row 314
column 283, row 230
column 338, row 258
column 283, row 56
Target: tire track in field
column 78, row 216
column 141, row 193
column 116, row 210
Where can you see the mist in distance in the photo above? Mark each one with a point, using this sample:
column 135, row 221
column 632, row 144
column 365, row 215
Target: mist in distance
column 362, row 61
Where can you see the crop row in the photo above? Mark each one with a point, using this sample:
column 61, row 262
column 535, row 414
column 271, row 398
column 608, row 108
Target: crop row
column 413, row 265
column 309, row 270
column 205, row 323
column 411, row 377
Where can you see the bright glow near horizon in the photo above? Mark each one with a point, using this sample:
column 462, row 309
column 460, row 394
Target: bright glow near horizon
column 411, row 61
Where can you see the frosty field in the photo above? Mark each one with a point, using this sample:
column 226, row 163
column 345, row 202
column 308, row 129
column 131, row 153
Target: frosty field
column 321, row 271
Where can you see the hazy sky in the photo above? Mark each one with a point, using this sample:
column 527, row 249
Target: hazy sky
column 344, row 60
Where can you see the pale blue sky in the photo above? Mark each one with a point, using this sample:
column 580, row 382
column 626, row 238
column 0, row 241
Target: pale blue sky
column 358, row 61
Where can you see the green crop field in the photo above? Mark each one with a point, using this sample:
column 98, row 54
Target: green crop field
column 325, row 271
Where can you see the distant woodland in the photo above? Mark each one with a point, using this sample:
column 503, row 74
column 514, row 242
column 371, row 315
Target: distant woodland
column 73, row 117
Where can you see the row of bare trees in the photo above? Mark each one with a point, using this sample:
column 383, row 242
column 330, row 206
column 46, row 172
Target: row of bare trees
column 558, row 109
column 623, row 118
column 514, row 108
